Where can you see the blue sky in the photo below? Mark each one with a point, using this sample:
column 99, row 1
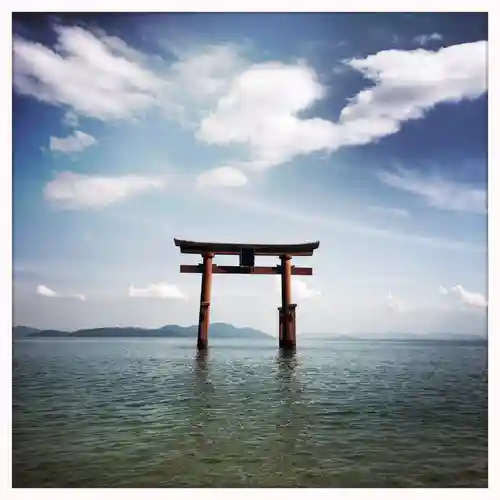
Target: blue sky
column 367, row 132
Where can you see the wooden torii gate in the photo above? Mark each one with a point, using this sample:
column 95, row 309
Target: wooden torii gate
column 247, row 253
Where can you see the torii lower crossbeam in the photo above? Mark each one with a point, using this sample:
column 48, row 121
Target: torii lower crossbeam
column 295, row 271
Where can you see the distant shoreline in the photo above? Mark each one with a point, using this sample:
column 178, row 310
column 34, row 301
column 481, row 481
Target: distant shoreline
column 217, row 330
column 228, row 331
column 478, row 340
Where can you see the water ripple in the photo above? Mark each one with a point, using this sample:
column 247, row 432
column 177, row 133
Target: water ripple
column 138, row 414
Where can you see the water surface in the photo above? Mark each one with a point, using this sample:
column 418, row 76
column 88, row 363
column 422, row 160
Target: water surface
column 151, row 413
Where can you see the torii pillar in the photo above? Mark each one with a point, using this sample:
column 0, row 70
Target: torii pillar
column 287, row 333
column 206, row 292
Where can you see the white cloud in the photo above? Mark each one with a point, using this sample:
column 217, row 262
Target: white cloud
column 426, row 38
column 472, row 299
column 157, row 290
column 437, row 192
column 398, row 212
column 47, row 292
column 73, row 143
column 409, row 83
column 95, row 75
column 70, row 119
column 73, row 191
column 257, row 105
column 199, row 77
column 300, row 289
column 394, row 303
column 222, row 176
column 261, row 108
column 102, row 77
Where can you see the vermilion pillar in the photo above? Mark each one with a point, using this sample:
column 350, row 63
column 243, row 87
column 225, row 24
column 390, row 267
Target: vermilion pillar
column 291, row 316
column 281, row 322
column 290, row 319
column 287, row 335
column 206, row 290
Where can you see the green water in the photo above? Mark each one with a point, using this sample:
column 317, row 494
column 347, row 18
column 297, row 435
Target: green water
column 150, row 413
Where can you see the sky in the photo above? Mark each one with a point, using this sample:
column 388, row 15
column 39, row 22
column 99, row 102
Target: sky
column 366, row 132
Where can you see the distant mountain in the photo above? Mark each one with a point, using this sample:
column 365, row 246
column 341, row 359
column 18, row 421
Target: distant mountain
column 225, row 330
column 217, row 330
column 20, row 332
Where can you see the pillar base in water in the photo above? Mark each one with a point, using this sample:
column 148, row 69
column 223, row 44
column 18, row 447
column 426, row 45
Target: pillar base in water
column 202, row 342
column 287, row 332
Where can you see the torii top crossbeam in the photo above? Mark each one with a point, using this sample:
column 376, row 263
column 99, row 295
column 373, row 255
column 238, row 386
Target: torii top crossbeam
column 198, row 247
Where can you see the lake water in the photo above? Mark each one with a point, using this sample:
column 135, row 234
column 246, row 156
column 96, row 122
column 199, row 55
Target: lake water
column 150, row 413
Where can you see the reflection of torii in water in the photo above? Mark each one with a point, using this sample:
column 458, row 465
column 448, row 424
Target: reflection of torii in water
column 247, row 253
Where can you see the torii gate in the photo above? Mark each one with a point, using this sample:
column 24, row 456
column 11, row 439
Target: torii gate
column 247, row 253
